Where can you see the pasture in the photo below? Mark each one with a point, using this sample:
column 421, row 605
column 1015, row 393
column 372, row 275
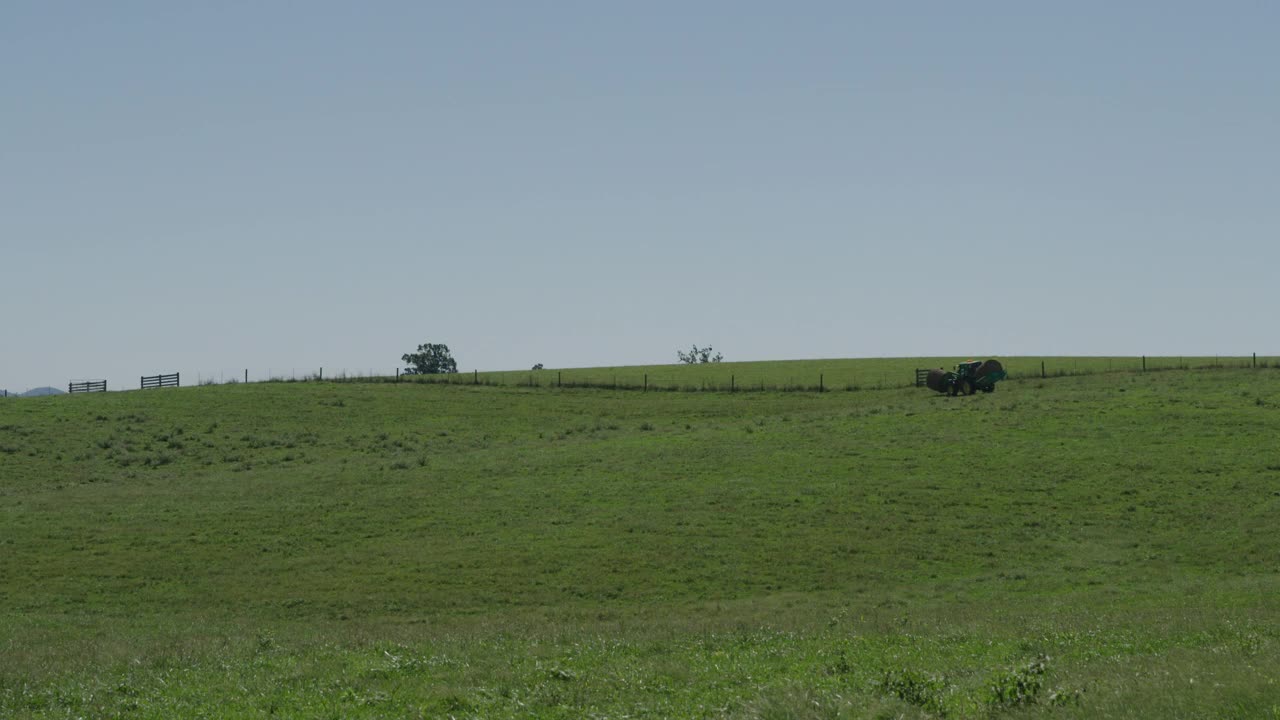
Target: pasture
column 1082, row 546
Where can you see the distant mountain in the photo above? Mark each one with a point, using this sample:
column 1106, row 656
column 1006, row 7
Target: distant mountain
column 42, row 391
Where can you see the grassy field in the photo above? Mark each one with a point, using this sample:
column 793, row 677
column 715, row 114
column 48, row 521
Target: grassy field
column 1085, row 546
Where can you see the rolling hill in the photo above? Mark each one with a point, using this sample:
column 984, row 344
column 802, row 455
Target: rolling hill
column 43, row 392
column 1083, row 545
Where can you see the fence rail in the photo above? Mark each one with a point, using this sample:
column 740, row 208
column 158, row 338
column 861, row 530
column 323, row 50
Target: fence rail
column 87, row 386
column 160, row 381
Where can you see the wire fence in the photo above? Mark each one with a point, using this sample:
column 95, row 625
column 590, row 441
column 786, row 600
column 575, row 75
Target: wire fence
column 809, row 376
column 786, row 376
column 234, row 376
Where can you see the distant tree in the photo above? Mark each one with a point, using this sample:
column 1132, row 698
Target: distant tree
column 430, row 359
column 698, row 355
column 538, row 366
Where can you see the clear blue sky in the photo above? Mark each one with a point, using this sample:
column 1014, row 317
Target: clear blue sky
column 208, row 187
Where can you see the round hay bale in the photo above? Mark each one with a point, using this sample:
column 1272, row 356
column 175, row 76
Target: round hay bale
column 937, row 380
column 989, row 367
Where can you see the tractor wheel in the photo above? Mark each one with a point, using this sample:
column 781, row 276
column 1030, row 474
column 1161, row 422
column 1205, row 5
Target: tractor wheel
column 965, row 386
column 989, row 388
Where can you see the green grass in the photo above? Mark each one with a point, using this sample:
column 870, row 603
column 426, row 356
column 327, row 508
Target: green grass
column 1091, row 546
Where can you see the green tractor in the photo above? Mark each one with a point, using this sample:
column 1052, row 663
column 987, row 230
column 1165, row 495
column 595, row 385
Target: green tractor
column 968, row 378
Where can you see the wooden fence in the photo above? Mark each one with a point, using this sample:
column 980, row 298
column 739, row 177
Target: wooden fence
column 87, row 386
column 160, row 381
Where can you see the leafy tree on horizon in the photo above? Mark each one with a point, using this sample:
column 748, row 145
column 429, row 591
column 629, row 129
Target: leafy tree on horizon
column 430, row 359
column 698, row 355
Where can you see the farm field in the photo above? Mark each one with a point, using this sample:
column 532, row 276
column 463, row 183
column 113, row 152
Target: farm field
column 1096, row 545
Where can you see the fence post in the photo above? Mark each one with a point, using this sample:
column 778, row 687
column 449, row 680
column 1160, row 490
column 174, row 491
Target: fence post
column 646, row 382
column 1255, row 360
column 559, row 375
column 1144, row 363
column 475, row 374
column 1042, row 375
column 732, row 383
column 821, row 383
column 321, row 374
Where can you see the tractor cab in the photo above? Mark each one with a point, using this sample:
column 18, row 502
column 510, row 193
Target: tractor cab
column 968, row 369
